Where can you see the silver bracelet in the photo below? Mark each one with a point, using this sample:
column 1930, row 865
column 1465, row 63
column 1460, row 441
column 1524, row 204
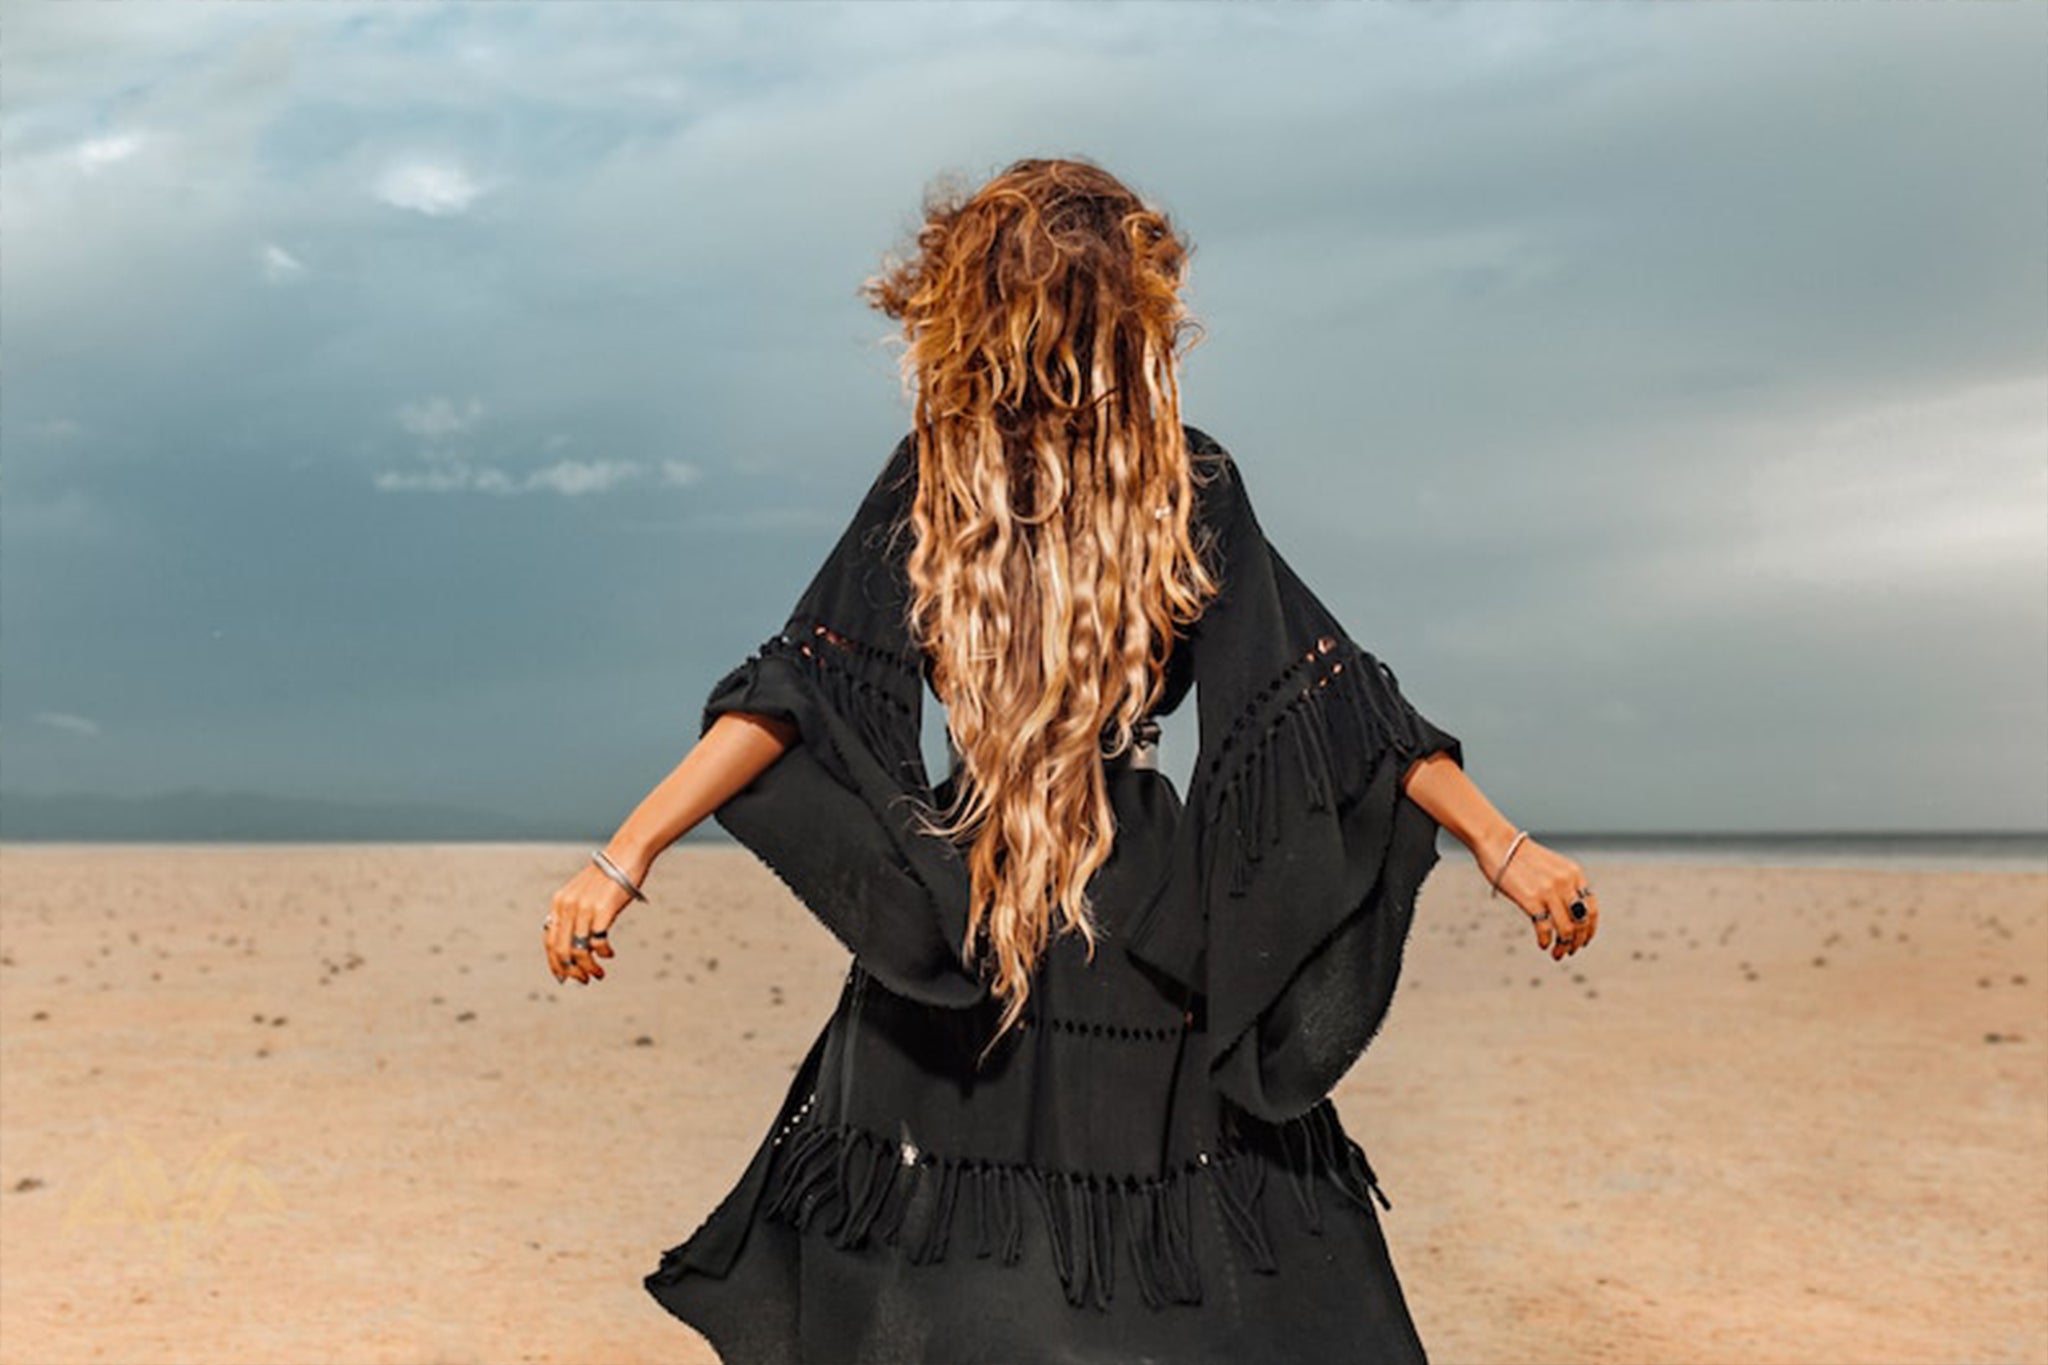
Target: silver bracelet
column 611, row 869
column 1519, row 836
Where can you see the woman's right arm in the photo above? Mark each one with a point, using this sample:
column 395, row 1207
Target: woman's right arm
column 738, row 747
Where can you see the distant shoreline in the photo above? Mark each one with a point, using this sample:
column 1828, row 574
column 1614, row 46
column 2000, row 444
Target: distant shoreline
column 1984, row 851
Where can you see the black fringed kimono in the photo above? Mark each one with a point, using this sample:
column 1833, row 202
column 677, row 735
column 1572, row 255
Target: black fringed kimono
column 1150, row 1169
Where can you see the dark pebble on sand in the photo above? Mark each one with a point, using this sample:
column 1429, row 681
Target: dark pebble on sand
column 1820, row 962
column 26, row 1183
column 40, row 1014
column 465, row 1016
column 643, row 1041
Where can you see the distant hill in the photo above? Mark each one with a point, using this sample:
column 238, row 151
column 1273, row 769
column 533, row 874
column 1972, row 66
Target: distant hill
column 198, row 815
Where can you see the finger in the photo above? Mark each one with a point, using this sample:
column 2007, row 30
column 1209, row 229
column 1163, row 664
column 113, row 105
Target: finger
column 602, row 947
column 1569, row 893
column 564, row 951
column 1582, row 929
column 585, row 963
column 549, row 943
column 1540, row 922
column 1562, row 941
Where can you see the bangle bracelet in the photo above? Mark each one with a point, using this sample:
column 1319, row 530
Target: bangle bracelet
column 1519, row 836
column 611, row 869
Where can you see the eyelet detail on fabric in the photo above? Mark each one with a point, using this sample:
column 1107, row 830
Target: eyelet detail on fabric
column 795, row 1119
column 877, row 690
column 1165, row 1033
column 908, row 660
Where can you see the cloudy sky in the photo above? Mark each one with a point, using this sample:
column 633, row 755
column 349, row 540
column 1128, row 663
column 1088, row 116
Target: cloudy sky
column 429, row 403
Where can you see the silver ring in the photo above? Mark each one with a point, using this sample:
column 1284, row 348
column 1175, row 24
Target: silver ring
column 578, row 941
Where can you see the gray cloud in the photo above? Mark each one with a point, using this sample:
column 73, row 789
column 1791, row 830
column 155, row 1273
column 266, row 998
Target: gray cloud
column 1663, row 390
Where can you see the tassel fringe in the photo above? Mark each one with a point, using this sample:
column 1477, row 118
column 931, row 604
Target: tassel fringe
column 859, row 1188
column 1343, row 707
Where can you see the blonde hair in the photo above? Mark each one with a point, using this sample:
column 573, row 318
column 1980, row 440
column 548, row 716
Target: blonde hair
column 1056, row 549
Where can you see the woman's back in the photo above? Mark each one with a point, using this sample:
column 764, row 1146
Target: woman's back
column 1088, row 1184
column 1073, row 1103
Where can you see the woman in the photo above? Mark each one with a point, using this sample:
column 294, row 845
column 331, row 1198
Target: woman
column 1073, row 1102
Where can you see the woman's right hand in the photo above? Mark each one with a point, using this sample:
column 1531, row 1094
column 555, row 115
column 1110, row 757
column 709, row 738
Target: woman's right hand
column 588, row 903
column 1544, row 883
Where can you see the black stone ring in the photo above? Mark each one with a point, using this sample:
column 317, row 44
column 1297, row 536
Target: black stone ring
column 601, row 933
column 1578, row 909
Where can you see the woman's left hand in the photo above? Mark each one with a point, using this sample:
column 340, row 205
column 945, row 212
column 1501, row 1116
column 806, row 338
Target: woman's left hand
column 583, row 910
column 1544, row 883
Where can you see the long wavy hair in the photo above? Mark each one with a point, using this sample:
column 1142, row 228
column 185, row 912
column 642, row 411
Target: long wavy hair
column 1056, row 552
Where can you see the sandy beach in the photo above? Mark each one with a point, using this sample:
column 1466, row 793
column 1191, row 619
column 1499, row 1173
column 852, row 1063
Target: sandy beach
column 325, row 1104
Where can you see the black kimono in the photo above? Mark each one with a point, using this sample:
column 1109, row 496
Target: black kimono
column 1150, row 1169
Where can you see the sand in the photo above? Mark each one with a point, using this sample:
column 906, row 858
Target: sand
column 325, row 1103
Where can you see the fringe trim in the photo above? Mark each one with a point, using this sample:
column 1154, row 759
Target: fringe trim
column 865, row 684
column 1343, row 702
column 859, row 1188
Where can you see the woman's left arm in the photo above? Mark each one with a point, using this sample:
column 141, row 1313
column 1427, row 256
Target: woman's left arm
column 1538, row 879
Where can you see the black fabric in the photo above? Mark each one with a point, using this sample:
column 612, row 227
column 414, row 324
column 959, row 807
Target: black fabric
column 1151, row 1168
column 830, row 816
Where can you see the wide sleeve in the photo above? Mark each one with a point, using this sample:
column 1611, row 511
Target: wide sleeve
column 833, row 816
column 1290, row 905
